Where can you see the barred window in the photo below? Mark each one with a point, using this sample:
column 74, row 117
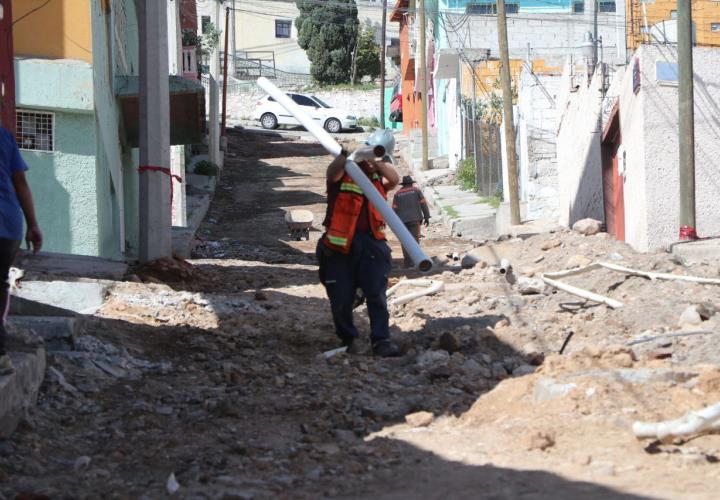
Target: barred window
column 35, row 130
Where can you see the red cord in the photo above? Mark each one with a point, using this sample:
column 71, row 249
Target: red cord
column 164, row 170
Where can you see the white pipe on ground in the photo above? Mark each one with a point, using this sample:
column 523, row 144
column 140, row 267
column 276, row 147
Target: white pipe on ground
column 694, row 422
column 406, row 239
column 432, row 286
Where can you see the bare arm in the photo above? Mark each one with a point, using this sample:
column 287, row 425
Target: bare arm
column 33, row 236
column 391, row 176
column 336, row 169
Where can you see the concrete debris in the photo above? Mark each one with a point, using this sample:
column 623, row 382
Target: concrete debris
column 550, row 244
column 540, row 440
column 419, row 419
column 19, row 391
column 430, row 358
column 587, row 227
column 530, row 286
column 578, row 261
column 690, row 317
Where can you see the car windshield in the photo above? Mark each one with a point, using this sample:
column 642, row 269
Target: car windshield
column 321, row 103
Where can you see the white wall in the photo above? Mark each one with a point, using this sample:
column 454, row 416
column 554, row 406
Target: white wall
column 543, row 36
column 661, row 162
column 578, row 149
column 537, row 117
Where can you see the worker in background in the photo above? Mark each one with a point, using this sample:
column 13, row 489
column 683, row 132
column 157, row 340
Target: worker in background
column 15, row 200
column 353, row 253
column 410, row 206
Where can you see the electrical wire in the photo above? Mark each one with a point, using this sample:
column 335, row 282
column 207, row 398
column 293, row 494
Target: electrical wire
column 30, row 12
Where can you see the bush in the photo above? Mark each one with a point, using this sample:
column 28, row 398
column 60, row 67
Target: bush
column 369, row 122
column 465, row 175
column 205, row 167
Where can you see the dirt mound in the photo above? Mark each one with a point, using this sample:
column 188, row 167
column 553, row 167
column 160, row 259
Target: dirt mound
column 169, row 271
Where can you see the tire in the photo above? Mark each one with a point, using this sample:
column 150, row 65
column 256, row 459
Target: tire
column 333, row 126
column 269, row 121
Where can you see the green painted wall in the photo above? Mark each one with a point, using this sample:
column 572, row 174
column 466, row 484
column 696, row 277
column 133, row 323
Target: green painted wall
column 64, row 186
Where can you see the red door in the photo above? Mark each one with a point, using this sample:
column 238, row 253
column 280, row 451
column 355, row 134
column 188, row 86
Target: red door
column 612, row 181
column 618, row 199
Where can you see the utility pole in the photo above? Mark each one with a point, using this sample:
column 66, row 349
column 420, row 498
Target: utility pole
column 423, row 86
column 214, row 128
column 155, row 175
column 225, row 74
column 7, row 70
column 506, row 80
column 382, row 64
column 686, row 121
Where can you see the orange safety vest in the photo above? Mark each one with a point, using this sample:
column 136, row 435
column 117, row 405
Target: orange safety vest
column 345, row 214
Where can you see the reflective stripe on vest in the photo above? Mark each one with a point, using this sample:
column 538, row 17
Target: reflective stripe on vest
column 346, row 211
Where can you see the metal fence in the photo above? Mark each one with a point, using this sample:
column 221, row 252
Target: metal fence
column 483, row 143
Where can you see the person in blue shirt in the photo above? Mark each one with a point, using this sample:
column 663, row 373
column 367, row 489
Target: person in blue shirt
column 15, row 200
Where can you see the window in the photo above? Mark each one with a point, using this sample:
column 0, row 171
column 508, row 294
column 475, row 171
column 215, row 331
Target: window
column 205, row 23
column 715, row 27
column 673, row 14
column 282, row 28
column 607, row 6
column 35, row 130
column 304, row 101
column 491, row 8
column 578, row 7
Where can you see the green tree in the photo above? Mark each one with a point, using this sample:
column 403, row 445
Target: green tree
column 367, row 56
column 328, row 31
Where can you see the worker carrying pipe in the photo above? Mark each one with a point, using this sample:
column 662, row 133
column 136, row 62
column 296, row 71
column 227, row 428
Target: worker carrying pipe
column 353, row 251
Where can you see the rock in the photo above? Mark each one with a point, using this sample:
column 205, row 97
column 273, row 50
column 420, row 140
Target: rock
column 449, row 342
column 498, row 371
column 578, row 261
column 706, row 310
column 430, row 358
column 81, row 462
column 690, row 317
column 502, row 323
column 471, row 367
column 530, row 286
column 547, row 245
column 588, row 227
column 547, row 389
column 472, row 259
column 540, row 440
column 172, row 486
column 419, row 419
column 440, row 371
column 523, row 370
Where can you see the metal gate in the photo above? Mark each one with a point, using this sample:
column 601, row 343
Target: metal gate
column 483, row 142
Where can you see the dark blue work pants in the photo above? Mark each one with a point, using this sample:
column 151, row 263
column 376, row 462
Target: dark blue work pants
column 367, row 267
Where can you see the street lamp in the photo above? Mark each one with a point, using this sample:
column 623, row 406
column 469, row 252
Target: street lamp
column 589, row 49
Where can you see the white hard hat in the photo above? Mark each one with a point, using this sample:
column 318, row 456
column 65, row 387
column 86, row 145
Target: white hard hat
column 383, row 138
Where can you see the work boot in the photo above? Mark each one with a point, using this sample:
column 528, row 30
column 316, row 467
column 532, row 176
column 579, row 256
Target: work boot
column 351, row 346
column 386, row 349
column 6, row 365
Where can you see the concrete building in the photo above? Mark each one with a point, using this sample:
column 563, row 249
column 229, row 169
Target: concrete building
column 618, row 155
column 76, row 75
column 541, row 33
column 654, row 21
column 640, row 161
column 265, row 30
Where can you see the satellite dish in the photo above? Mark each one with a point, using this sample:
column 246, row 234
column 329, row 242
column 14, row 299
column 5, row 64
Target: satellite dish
column 666, row 32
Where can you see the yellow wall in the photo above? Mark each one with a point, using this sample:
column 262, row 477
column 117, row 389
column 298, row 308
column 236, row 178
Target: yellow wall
column 61, row 29
column 704, row 12
column 487, row 75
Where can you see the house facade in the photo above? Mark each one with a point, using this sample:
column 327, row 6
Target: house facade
column 76, row 87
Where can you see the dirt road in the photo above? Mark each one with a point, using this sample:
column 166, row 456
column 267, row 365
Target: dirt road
column 210, row 372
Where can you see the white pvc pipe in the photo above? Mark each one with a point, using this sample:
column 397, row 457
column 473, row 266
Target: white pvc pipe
column 432, row 286
column 694, row 422
column 406, row 239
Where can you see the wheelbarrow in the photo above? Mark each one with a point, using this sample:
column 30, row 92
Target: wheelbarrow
column 299, row 223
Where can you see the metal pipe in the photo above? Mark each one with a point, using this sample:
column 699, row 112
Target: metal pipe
column 396, row 225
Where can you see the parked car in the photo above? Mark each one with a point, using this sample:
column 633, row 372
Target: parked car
column 271, row 114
